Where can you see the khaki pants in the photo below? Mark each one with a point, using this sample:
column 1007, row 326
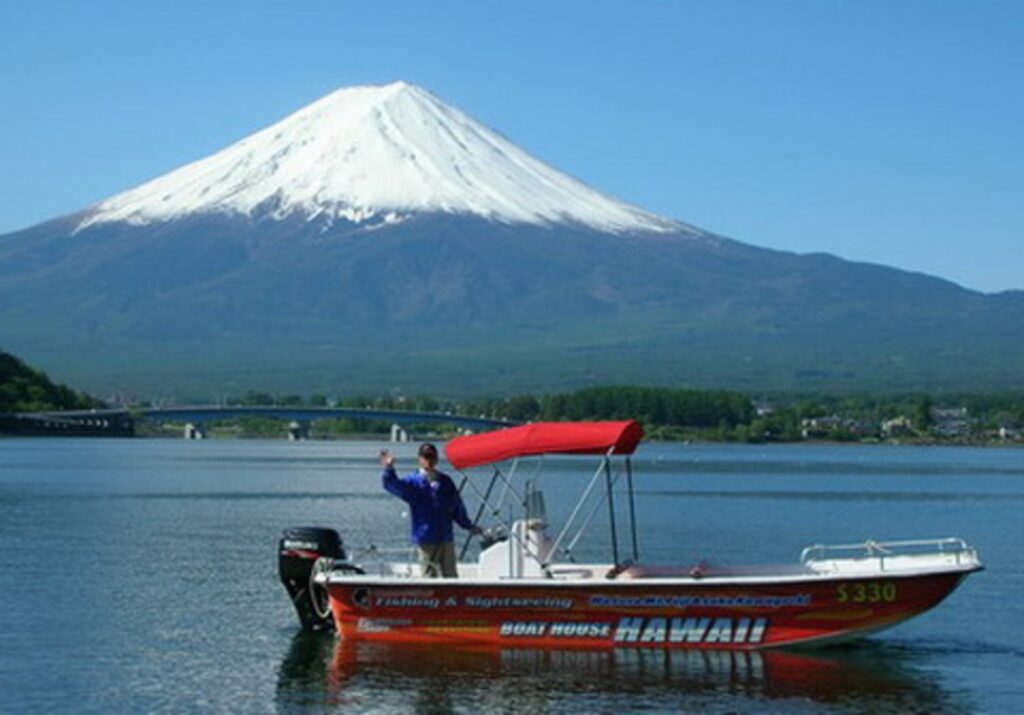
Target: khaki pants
column 438, row 559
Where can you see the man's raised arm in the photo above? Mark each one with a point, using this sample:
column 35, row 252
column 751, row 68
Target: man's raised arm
column 390, row 478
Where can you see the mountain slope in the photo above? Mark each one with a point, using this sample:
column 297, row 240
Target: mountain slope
column 459, row 305
column 268, row 267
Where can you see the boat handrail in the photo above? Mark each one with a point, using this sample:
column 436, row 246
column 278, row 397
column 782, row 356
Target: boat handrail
column 881, row 550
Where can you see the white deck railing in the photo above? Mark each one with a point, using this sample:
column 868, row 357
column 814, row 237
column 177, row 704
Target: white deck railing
column 948, row 549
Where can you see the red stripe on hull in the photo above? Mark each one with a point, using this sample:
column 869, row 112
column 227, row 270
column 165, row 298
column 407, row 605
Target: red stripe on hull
column 606, row 614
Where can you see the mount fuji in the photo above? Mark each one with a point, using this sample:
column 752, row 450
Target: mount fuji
column 375, row 156
column 381, row 239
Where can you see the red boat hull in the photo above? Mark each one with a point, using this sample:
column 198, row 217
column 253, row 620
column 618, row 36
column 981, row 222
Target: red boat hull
column 605, row 614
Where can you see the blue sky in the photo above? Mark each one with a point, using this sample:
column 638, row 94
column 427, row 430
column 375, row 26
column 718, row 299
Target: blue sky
column 890, row 132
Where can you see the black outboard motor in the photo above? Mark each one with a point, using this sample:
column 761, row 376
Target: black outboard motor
column 301, row 549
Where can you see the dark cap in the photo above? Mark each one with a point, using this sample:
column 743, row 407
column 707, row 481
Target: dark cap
column 428, row 451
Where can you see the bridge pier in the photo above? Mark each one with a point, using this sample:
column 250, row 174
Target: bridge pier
column 298, row 431
column 194, row 431
column 398, row 434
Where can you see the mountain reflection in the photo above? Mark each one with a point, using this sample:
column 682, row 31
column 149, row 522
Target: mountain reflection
column 326, row 673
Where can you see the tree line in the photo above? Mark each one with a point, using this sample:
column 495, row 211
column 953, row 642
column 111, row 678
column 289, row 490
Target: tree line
column 26, row 389
column 720, row 415
column 667, row 413
column 654, row 405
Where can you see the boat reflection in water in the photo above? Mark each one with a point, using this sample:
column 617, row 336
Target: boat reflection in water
column 322, row 671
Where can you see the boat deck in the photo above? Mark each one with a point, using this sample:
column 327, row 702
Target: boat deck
column 701, row 573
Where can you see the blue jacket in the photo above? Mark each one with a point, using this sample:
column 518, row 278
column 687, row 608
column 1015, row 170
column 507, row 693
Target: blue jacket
column 432, row 505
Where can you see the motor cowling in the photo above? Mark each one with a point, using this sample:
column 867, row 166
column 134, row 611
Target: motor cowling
column 299, row 551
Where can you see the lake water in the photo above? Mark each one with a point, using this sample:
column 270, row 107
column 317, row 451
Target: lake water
column 141, row 576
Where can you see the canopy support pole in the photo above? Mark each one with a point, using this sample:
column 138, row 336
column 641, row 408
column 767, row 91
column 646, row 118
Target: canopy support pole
column 479, row 509
column 496, row 511
column 576, row 509
column 508, row 486
column 611, row 509
column 598, row 503
column 632, row 508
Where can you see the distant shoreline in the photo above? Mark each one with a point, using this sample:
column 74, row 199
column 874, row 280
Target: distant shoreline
column 383, row 439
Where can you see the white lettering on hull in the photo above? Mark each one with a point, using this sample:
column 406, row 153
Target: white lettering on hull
column 628, row 630
column 689, row 630
column 632, row 629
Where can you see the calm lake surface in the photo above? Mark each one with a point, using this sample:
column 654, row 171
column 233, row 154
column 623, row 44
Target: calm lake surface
column 141, row 576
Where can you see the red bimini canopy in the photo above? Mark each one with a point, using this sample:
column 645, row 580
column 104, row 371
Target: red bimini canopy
column 544, row 438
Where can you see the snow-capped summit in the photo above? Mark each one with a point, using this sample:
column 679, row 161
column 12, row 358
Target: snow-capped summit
column 376, row 154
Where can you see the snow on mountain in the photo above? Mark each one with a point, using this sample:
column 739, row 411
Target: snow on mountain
column 376, row 154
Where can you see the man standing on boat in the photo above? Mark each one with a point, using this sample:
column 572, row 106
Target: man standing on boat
column 434, row 503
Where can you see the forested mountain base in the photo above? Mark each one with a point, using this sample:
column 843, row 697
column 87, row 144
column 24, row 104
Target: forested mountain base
column 25, row 389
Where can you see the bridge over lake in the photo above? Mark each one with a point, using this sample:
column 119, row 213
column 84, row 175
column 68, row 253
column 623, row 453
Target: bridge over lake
column 195, row 417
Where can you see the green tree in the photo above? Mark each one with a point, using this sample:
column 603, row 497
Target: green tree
column 257, row 399
column 523, row 408
column 25, row 389
column 923, row 419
